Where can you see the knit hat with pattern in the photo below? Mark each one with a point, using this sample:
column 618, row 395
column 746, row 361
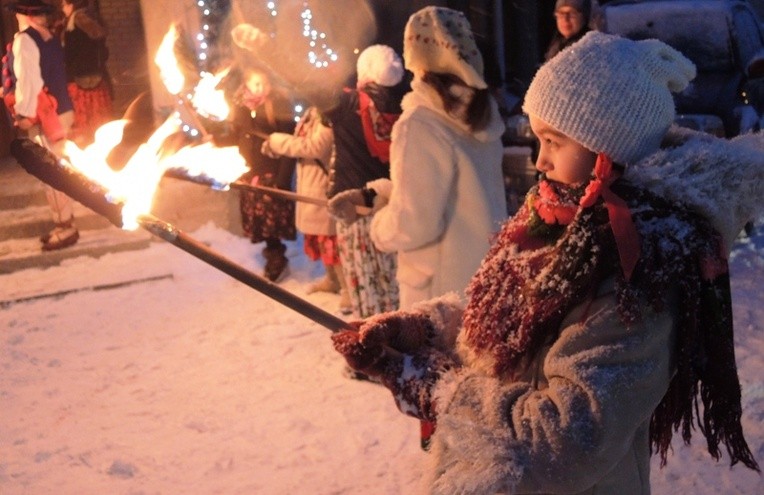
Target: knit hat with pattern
column 438, row 39
column 379, row 64
column 611, row 94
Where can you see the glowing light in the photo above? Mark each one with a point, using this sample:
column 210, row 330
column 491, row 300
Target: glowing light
column 320, row 61
column 171, row 75
column 209, row 101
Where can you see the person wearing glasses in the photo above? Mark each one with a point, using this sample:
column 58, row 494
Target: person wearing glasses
column 572, row 18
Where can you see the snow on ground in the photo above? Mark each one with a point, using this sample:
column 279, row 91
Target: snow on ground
column 187, row 381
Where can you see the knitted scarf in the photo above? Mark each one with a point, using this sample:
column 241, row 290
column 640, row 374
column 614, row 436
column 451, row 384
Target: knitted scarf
column 553, row 255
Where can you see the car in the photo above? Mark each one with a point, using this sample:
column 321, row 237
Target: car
column 723, row 38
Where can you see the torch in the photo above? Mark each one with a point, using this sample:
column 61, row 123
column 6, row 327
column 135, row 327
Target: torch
column 203, row 179
column 41, row 163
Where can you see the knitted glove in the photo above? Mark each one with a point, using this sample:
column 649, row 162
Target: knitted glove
column 342, row 205
column 394, row 347
column 402, row 331
column 409, row 377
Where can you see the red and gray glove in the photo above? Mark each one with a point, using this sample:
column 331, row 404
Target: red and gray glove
column 393, row 346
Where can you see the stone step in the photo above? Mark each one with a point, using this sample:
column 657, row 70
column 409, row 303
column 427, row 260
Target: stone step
column 22, row 253
column 34, row 221
column 25, row 216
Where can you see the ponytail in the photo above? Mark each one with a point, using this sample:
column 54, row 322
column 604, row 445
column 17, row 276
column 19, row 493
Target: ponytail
column 478, row 113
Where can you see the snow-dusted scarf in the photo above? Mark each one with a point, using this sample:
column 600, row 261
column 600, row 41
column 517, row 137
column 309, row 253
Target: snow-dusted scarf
column 553, row 255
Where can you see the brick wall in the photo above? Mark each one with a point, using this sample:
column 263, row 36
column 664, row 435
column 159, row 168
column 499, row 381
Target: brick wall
column 127, row 48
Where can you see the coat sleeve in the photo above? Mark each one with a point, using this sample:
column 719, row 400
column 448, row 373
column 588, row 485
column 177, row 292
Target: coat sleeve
column 422, row 171
column 26, row 66
column 317, row 144
column 604, row 381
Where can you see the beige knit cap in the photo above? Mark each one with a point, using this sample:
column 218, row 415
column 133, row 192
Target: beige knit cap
column 611, row 94
column 438, row 39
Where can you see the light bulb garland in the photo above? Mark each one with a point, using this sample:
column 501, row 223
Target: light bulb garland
column 213, row 13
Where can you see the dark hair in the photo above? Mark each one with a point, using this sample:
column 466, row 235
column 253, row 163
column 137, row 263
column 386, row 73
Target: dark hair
column 479, row 108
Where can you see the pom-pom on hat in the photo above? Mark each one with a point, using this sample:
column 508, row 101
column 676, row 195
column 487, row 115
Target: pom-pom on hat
column 30, row 7
column 379, row 64
column 438, row 39
column 611, row 94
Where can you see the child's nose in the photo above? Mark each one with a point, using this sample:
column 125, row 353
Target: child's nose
column 542, row 164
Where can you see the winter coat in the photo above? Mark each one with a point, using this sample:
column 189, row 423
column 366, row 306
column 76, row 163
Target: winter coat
column 578, row 421
column 312, row 145
column 447, row 198
column 354, row 165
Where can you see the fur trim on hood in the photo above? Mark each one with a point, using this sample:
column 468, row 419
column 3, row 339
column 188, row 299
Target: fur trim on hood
column 721, row 179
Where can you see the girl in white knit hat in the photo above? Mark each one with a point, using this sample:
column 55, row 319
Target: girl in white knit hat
column 446, row 189
column 600, row 322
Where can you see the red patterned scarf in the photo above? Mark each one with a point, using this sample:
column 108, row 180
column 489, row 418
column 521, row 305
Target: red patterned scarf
column 554, row 254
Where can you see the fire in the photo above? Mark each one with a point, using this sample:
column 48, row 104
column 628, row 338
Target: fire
column 135, row 185
column 165, row 60
column 207, row 99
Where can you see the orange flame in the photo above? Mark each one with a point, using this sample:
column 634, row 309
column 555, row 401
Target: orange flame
column 135, row 185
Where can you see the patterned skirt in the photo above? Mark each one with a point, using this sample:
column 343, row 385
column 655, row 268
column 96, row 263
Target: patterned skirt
column 267, row 217
column 92, row 109
column 370, row 273
column 323, row 247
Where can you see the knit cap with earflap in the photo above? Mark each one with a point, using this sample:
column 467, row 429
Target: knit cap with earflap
column 611, row 94
column 438, row 39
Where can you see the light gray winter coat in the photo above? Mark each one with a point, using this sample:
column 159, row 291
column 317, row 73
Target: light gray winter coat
column 579, row 423
column 446, row 200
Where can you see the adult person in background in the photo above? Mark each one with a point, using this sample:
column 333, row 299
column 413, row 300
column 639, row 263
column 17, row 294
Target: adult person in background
column 445, row 199
column 34, row 90
column 312, row 145
column 89, row 85
column 259, row 110
column 362, row 122
column 572, row 20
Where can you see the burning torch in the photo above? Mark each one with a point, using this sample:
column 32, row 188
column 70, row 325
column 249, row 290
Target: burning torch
column 41, row 163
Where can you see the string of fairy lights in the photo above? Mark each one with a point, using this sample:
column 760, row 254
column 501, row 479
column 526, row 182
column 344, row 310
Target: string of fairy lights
column 213, row 12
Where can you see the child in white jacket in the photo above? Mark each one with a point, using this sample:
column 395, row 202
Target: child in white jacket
column 600, row 321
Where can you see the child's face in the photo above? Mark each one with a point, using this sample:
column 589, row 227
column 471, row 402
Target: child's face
column 561, row 159
column 258, row 84
column 569, row 21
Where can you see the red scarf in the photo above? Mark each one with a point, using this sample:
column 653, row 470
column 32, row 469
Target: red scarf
column 540, row 268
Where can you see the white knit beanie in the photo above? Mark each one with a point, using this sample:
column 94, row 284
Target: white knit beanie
column 611, row 94
column 438, row 39
column 379, row 64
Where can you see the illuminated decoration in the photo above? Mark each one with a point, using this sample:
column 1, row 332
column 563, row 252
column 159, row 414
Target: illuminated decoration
column 213, row 14
column 320, row 54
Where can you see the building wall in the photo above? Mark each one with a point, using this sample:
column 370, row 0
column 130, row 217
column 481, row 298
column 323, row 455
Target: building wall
column 128, row 62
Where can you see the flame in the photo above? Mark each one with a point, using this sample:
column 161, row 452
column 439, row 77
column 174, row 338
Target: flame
column 170, row 73
column 207, row 99
column 135, row 185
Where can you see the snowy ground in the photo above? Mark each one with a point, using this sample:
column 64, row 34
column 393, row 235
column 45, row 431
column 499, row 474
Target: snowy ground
column 192, row 383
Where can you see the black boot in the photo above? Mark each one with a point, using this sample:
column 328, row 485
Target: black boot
column 275, row 261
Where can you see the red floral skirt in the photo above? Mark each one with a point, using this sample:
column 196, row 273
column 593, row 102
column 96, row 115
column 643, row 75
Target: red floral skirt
column 92, row 108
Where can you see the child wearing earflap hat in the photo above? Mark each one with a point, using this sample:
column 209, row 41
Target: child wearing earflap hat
column 600, row 321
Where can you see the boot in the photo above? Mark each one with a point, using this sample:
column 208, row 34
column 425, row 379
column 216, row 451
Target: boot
column 345, row 306
column 275, row 262
column 329, row 283
column 63, row 235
